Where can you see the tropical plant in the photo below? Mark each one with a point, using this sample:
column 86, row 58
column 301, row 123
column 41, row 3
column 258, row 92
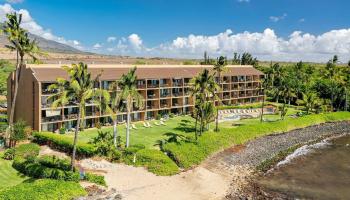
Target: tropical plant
column 130, row 96
column 219, row 68
column 203, row 89
column 18, row 132
column 23, row 45
column 77, row 90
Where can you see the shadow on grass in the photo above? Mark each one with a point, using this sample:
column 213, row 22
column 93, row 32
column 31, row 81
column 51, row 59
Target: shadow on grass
column 185, row 126
column 29, row 180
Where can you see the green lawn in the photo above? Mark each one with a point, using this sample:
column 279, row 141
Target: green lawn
column 146, row 136
column 8, row 175
column 180, row 125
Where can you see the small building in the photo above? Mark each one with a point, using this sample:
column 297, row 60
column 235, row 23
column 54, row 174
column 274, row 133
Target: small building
column 165, row 89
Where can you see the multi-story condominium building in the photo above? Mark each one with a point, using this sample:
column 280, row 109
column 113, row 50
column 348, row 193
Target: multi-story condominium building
column 165, row 89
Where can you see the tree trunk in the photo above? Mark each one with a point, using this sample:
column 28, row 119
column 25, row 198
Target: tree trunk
column 75, row 139
column 127, row 128
column 13, row 104
column 217, row 110
column 115, row 132
column 262, row 107
column 201, row 124
column 195, row 126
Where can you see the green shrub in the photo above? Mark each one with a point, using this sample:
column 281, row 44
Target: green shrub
column 156, row 162
column 132, row 149
column 62, row 130
column 63, row 143
column 54, row 162
column 187, row 154
column 45, row 167
column 171, row 115
column 27, row 150
column 114, row 155
column 42, row 190
column 93, row 178
column 9, row 154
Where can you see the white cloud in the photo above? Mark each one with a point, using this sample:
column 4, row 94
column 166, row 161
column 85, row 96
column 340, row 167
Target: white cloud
column 302, row 20
column 111, row 39
column 14, row 1
column 135, row 41
column 265, row 45
column 243, row 1
column 97, row 46
column 278, row 18
column 33, row 27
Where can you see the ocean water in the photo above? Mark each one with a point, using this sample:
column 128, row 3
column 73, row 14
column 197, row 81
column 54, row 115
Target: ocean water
column 319, row 171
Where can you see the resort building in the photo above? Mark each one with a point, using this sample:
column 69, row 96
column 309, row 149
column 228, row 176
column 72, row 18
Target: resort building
column 165, row 89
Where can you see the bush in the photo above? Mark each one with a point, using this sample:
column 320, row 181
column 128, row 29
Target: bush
column 93, row 178
column 114, row 154
column 187, row 154
column 63, row 143
column 44, row 189
column 156, row 162
column 9, row 154
column 171, row 115
column 46, row 167
column 54, row 162
column 27, row 150
column 62, row 130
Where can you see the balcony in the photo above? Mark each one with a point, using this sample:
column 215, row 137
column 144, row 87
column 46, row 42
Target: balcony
column 151, row 96
column 51, row 119
column 70, row 116
column 165, row 95
column 177, row 94
column 152, row 83
column 165, row 105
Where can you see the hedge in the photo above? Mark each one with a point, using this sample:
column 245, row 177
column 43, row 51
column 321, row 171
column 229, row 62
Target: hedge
column 64, row 144
column 35, row 169
column 42, row 190
column 52, row 167
column 153, row 160
column 188, row 154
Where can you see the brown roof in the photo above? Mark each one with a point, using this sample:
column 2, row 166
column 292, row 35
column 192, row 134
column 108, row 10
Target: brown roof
column 46, row 73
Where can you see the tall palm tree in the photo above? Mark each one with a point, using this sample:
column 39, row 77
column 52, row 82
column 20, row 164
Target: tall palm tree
column 131, row 97
column 115, row 107
column 204, row 89
column 78, row 90
column 264, row 85
column 219, row 68
column 310, row 100
column 19, row 42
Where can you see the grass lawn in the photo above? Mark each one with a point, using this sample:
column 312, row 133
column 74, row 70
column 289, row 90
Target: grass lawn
column 146, row 136
column 180, row 125
column 8, row 175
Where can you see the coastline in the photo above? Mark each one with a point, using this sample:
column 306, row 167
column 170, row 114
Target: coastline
column 245, row 160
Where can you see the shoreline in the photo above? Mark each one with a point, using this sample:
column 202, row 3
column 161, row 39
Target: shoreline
column 248, row 188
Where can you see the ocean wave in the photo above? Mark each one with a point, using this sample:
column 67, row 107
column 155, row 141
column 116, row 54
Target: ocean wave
column 303, row 151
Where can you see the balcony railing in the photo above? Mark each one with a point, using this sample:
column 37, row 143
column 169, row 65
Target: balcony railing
column 164, row 105
column 177, row 94
column 164, row 95
column 51, row 119
column 151, row 96
column 70, row 116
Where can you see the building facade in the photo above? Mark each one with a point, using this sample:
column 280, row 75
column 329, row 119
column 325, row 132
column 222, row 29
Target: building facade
column 165, row 89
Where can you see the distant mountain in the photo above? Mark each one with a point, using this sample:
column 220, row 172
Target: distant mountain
column 47, row 45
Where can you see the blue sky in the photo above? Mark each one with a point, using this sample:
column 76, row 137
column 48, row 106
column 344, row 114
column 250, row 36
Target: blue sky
column 152, row 27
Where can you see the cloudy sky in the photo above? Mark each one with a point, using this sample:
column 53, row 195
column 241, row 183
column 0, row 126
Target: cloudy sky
column 284, row 30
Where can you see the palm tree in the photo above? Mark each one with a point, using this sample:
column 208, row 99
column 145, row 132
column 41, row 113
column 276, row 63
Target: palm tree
column 310, row 100
column 203, row 89
column 264, row 85
column 78, row 90
column 19, row 42
column 115, row 106
column 219, row 68
column 130, row 96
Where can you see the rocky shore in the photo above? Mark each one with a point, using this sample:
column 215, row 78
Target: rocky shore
column 243, row 160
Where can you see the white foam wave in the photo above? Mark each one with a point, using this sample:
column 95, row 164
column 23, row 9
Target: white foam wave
column 303, row 151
